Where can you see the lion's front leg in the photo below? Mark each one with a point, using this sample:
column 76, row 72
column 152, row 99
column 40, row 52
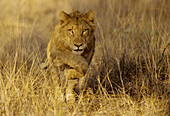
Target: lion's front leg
column 70, row 93
column 72, row 74
column 72, row 77
column 57, row 84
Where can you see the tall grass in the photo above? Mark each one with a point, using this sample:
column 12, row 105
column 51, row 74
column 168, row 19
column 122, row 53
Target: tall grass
column 129, row 74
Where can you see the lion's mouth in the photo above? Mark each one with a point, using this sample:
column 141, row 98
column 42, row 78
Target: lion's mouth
column 78, row 50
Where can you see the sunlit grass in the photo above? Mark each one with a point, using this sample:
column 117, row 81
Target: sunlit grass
column 129, row 74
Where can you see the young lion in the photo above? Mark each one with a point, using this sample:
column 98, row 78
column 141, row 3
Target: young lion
column 70, row 50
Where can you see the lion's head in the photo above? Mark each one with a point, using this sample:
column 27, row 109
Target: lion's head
column 76, row 30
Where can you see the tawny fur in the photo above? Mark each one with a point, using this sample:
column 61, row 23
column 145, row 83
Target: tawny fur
column 71, row 48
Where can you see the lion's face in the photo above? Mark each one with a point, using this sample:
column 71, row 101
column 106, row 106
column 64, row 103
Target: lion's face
column 77, row 29
column 78, row 36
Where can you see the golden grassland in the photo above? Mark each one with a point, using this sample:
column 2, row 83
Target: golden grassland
column 129, row 74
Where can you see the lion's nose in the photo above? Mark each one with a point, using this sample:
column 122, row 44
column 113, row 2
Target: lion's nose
column 78, row 44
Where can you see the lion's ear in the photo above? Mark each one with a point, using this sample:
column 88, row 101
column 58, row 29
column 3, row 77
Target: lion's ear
column 63, row 16
column 90, row 15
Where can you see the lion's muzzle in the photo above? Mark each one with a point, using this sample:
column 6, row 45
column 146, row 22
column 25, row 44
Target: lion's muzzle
column 78, row 48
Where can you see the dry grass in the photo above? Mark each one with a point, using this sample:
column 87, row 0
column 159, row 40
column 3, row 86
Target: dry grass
column 130, row 71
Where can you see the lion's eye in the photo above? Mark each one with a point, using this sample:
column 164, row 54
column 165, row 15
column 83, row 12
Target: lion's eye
column 71, row 31
column 84, row 31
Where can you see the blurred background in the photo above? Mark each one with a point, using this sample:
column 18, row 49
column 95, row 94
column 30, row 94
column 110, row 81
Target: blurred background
column 130, row 24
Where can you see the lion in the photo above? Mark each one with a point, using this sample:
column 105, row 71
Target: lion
column 70, row 51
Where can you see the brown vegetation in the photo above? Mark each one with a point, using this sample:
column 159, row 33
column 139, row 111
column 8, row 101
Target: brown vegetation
column 129, row 74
